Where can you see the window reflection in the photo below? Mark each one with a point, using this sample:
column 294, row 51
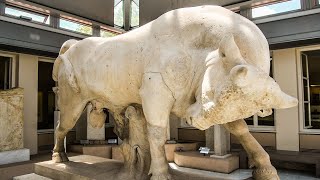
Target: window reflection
column 276, row 8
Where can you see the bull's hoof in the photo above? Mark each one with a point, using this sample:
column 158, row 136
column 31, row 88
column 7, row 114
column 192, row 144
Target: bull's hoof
column 59, row 157
column 265, row 173
column 161, row 177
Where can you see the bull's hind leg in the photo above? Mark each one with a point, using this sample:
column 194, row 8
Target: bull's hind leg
column 258, row 157
column 157, row 101
column 70, row 112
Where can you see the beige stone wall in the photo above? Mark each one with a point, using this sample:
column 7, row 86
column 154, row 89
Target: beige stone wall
column 309, row 141
column 11, row 121
column 28, row 79
column 287, row 120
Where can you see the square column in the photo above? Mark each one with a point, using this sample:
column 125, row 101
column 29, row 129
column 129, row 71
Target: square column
column 221, row 140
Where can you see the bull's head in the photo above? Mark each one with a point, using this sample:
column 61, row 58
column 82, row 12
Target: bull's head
column 245, row 91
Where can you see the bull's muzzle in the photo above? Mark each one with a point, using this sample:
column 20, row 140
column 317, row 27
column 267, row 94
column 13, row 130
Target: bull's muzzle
column 286, row 101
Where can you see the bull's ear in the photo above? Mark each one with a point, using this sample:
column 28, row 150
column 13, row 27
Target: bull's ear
column 240, row 75
column 229, row 49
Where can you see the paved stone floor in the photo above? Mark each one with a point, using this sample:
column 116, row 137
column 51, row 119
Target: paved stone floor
column 17, row 169
column 245, row 173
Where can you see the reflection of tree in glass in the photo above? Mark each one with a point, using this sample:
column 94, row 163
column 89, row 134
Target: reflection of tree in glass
column 84, row 29
column 134, row 14
column 107, row 34
column 118, row 14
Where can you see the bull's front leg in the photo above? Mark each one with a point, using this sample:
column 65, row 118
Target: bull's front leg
column 258, row 157
column 157, row 101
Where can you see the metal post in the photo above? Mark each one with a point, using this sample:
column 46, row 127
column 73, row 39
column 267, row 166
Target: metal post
column 2, row 7
column 96, row 30
column 127, row 14
column 54, row 19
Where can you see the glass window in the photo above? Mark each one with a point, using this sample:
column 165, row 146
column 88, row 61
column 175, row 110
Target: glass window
column 4, row 72
column 266, row 121
column 46, row 96
column 276, row 8
column 27, row 15
column 134, row 13
column 311, row 88
column 249, row 120
column 75, row 26
column 118, row 13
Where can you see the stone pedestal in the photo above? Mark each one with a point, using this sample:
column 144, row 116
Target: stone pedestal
column 11, row 123
column 13, row 156
column 194, row 159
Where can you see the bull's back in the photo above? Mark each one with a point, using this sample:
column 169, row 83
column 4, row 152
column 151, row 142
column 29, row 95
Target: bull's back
column 105, row 69
column 204, row 27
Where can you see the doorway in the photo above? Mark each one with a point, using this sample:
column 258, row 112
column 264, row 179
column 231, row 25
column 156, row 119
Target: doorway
column 46, row 96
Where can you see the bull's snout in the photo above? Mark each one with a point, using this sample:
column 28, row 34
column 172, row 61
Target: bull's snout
column 286, row 101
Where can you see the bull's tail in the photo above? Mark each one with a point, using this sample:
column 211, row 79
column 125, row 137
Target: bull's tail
column 67, row 64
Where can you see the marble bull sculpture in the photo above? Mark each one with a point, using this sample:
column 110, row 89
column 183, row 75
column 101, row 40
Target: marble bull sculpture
column 205, row 64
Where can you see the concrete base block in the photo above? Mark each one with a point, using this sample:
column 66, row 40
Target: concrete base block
column 20, row 155
column 193, row 159
column 31, row 176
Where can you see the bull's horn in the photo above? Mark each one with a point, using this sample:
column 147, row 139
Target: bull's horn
column 286, row 101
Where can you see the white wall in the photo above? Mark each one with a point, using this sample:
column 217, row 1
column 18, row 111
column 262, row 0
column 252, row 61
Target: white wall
column 28, row 79
column 287, row 120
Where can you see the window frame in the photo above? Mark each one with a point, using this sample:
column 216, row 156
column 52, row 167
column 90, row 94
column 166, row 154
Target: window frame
column 46, row 16
column 12, row 69
column 272, row 15
column 301, row 91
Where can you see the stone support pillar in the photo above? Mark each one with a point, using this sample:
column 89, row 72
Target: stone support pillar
column 221, row 140
column 210, row 138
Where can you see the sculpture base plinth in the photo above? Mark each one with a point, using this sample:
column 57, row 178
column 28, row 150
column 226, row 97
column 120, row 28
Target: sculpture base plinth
column 193, row 159
column 82, row 167
column 87, row 167
column 14, row 156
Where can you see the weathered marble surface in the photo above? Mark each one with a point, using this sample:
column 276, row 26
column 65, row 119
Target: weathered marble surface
column 206, row 64
column 11, row 119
